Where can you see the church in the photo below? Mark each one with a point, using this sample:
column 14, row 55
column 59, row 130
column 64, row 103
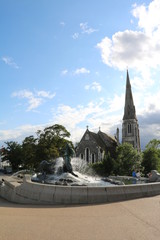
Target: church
column 93, row 146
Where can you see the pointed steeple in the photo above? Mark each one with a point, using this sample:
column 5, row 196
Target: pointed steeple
column 130, row 127
column 129, row 109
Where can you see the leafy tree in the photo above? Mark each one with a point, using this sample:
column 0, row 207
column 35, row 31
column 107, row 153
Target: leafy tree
column 127, row 159
column 13, row 153
column 106, row 167
column 154, row 143
column 29, row 149
column 51, row 142
column 151, row 156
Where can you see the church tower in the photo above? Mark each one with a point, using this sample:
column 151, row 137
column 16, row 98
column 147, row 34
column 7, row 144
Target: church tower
column 130, row 127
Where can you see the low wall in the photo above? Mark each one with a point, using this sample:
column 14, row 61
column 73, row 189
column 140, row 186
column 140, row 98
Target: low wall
column 29, row 192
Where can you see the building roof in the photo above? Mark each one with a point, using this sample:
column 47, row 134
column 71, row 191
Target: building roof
column 102, row 139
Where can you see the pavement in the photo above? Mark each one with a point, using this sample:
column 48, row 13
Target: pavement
column 127, row 220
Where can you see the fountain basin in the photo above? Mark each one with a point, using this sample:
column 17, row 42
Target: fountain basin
column 27, row 192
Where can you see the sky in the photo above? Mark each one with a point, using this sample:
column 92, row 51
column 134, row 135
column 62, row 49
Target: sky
column 65, row 61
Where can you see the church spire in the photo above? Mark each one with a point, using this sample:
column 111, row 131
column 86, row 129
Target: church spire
column 129, row 109
column 130, row 127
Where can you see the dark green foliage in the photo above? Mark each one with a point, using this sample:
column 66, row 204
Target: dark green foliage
column 29, row 147
column 13, row 153
column 51, row 142
column 127, row 159
column 106, row 167
column 151, row 156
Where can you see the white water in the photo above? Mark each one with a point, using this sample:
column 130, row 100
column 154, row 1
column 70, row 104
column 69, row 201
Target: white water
column 85, row 175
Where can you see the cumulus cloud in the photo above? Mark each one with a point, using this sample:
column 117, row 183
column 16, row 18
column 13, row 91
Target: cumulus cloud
column 35, row 99
column 18, row 134
column 139, row 50
column 128, row 48
column 94, row 86
column 148, row 16
column 116, row 103
column 94, row 114
column 10, row 61
column 74, row 116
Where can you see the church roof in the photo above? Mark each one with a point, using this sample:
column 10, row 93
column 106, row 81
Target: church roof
column 129, row 109
column 102, row 139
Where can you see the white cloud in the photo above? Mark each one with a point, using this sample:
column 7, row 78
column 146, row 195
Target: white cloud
column 45, row 94
column 94, row 86
column 139, row 50
column 116, row 103
column 94, row 114
column 19, row 133
column 62, row 24
column 10, row 61
column 81, row 71
column 86, row 29
column 128, row 48
column 75, row 35
column 74, row 116
column 64, row 72
column 34, row 99
column 148, row 16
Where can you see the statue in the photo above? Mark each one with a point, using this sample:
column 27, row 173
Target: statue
column 45, row 167
column 154, row 176
column 67, row 167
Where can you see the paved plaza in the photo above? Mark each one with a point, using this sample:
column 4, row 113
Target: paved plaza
column 128, row 220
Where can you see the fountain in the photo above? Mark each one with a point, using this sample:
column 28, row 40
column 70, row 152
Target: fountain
column 67, row 186
column 69, row 171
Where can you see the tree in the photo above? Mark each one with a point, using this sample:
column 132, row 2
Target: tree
column 127, row 159
column 13, row 153
column 29, row 149
column 154, row 143
column 151, row 156
column 51, row 142
column 106, row 167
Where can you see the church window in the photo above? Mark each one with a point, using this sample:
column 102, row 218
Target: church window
column 129, row 128
column 87, row 155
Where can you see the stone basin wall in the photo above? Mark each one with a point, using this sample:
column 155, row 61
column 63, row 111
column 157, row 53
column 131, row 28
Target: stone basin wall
column 28, row 192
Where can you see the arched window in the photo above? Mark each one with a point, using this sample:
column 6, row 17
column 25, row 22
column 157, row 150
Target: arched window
column 129, row 128
column 87, row 155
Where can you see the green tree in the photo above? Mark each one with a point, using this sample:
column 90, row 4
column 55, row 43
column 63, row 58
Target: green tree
column 127, row 159
column 154, row 143
column 106, row 167
column 29, row 150
column 151, row 156
column 13, row 153
column 51, row 142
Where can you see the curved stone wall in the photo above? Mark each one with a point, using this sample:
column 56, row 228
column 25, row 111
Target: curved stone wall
column 28, row 192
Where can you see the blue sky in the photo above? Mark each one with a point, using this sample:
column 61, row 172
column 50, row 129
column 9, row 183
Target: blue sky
column 65, row 61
